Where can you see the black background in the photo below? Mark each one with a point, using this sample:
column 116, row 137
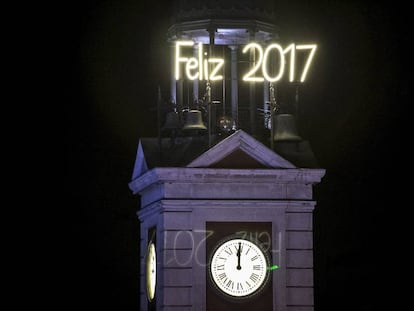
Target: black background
column 354, row 113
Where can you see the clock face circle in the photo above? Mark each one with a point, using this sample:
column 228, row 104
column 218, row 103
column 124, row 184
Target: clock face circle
column 151, row 263
column 238, row 267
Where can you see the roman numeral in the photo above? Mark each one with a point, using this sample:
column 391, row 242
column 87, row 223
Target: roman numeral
column 230, row 283
column 248, row 284
column 222, row 276
column 254, row 277
column 237, row 248
column 256, row 267
column 221, row 267
column 239, row 286
column 254, row 258
column 228, row 251
column 248, row 250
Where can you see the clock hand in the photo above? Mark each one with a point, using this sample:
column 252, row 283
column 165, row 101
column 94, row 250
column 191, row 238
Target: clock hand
column 238, row 257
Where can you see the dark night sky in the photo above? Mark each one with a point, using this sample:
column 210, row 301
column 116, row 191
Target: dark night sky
column 354, row 115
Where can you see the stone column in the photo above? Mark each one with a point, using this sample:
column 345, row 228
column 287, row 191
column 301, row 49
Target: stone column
column 211, row 117
column 252, row 87
column 234, row 84
column 195, row 81
column 266, row 100
column 173, row 82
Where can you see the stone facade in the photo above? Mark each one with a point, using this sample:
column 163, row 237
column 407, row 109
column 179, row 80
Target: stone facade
column 180, row 201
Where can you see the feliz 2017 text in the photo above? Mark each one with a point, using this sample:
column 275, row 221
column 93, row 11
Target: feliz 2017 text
column 270, row 63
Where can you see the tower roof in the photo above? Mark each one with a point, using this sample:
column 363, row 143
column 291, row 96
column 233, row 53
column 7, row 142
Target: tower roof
column 237, row 151
column 185, row 10
column 233, row 21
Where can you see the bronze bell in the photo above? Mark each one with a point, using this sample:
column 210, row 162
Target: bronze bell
column 285, row 128
column 194, row 121
column 172, row 121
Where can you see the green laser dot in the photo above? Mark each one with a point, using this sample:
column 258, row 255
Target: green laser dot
column 274, row 267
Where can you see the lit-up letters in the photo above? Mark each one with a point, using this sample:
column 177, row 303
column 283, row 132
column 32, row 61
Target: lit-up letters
column 208, row 69
column 263, row 61
column 192, row 64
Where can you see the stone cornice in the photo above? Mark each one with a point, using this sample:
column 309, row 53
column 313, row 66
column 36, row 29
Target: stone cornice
column 229, row 13
column 163, row 175
column 182, row 206
column 177, row 29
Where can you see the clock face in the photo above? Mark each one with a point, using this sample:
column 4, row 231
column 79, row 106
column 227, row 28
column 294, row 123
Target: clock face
column 151, row 264
column 238, row 267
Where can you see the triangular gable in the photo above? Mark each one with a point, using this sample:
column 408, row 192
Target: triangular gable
column 140, row 166
column 241, row 141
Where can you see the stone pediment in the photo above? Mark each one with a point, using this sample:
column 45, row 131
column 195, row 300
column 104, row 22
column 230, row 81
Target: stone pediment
column 240, row 150
column 237, row 151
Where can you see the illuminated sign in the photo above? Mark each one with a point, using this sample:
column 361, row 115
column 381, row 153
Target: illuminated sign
column 193, row 64
column 273, row 55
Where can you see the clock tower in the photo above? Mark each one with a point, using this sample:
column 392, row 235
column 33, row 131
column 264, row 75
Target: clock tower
column 226, row 189
column 227, row 227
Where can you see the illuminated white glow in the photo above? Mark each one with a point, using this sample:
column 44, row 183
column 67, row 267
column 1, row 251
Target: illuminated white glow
column 192, row 64
column 206, row 69
column 248, row 76
column 238, row 267
column 151, row 273
column 200, row 60
column 281, row 63
column 213, row 74
column 202, row 64
column 312, row 48
column 202, row 68
column 179, row 59
column 291, row 48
